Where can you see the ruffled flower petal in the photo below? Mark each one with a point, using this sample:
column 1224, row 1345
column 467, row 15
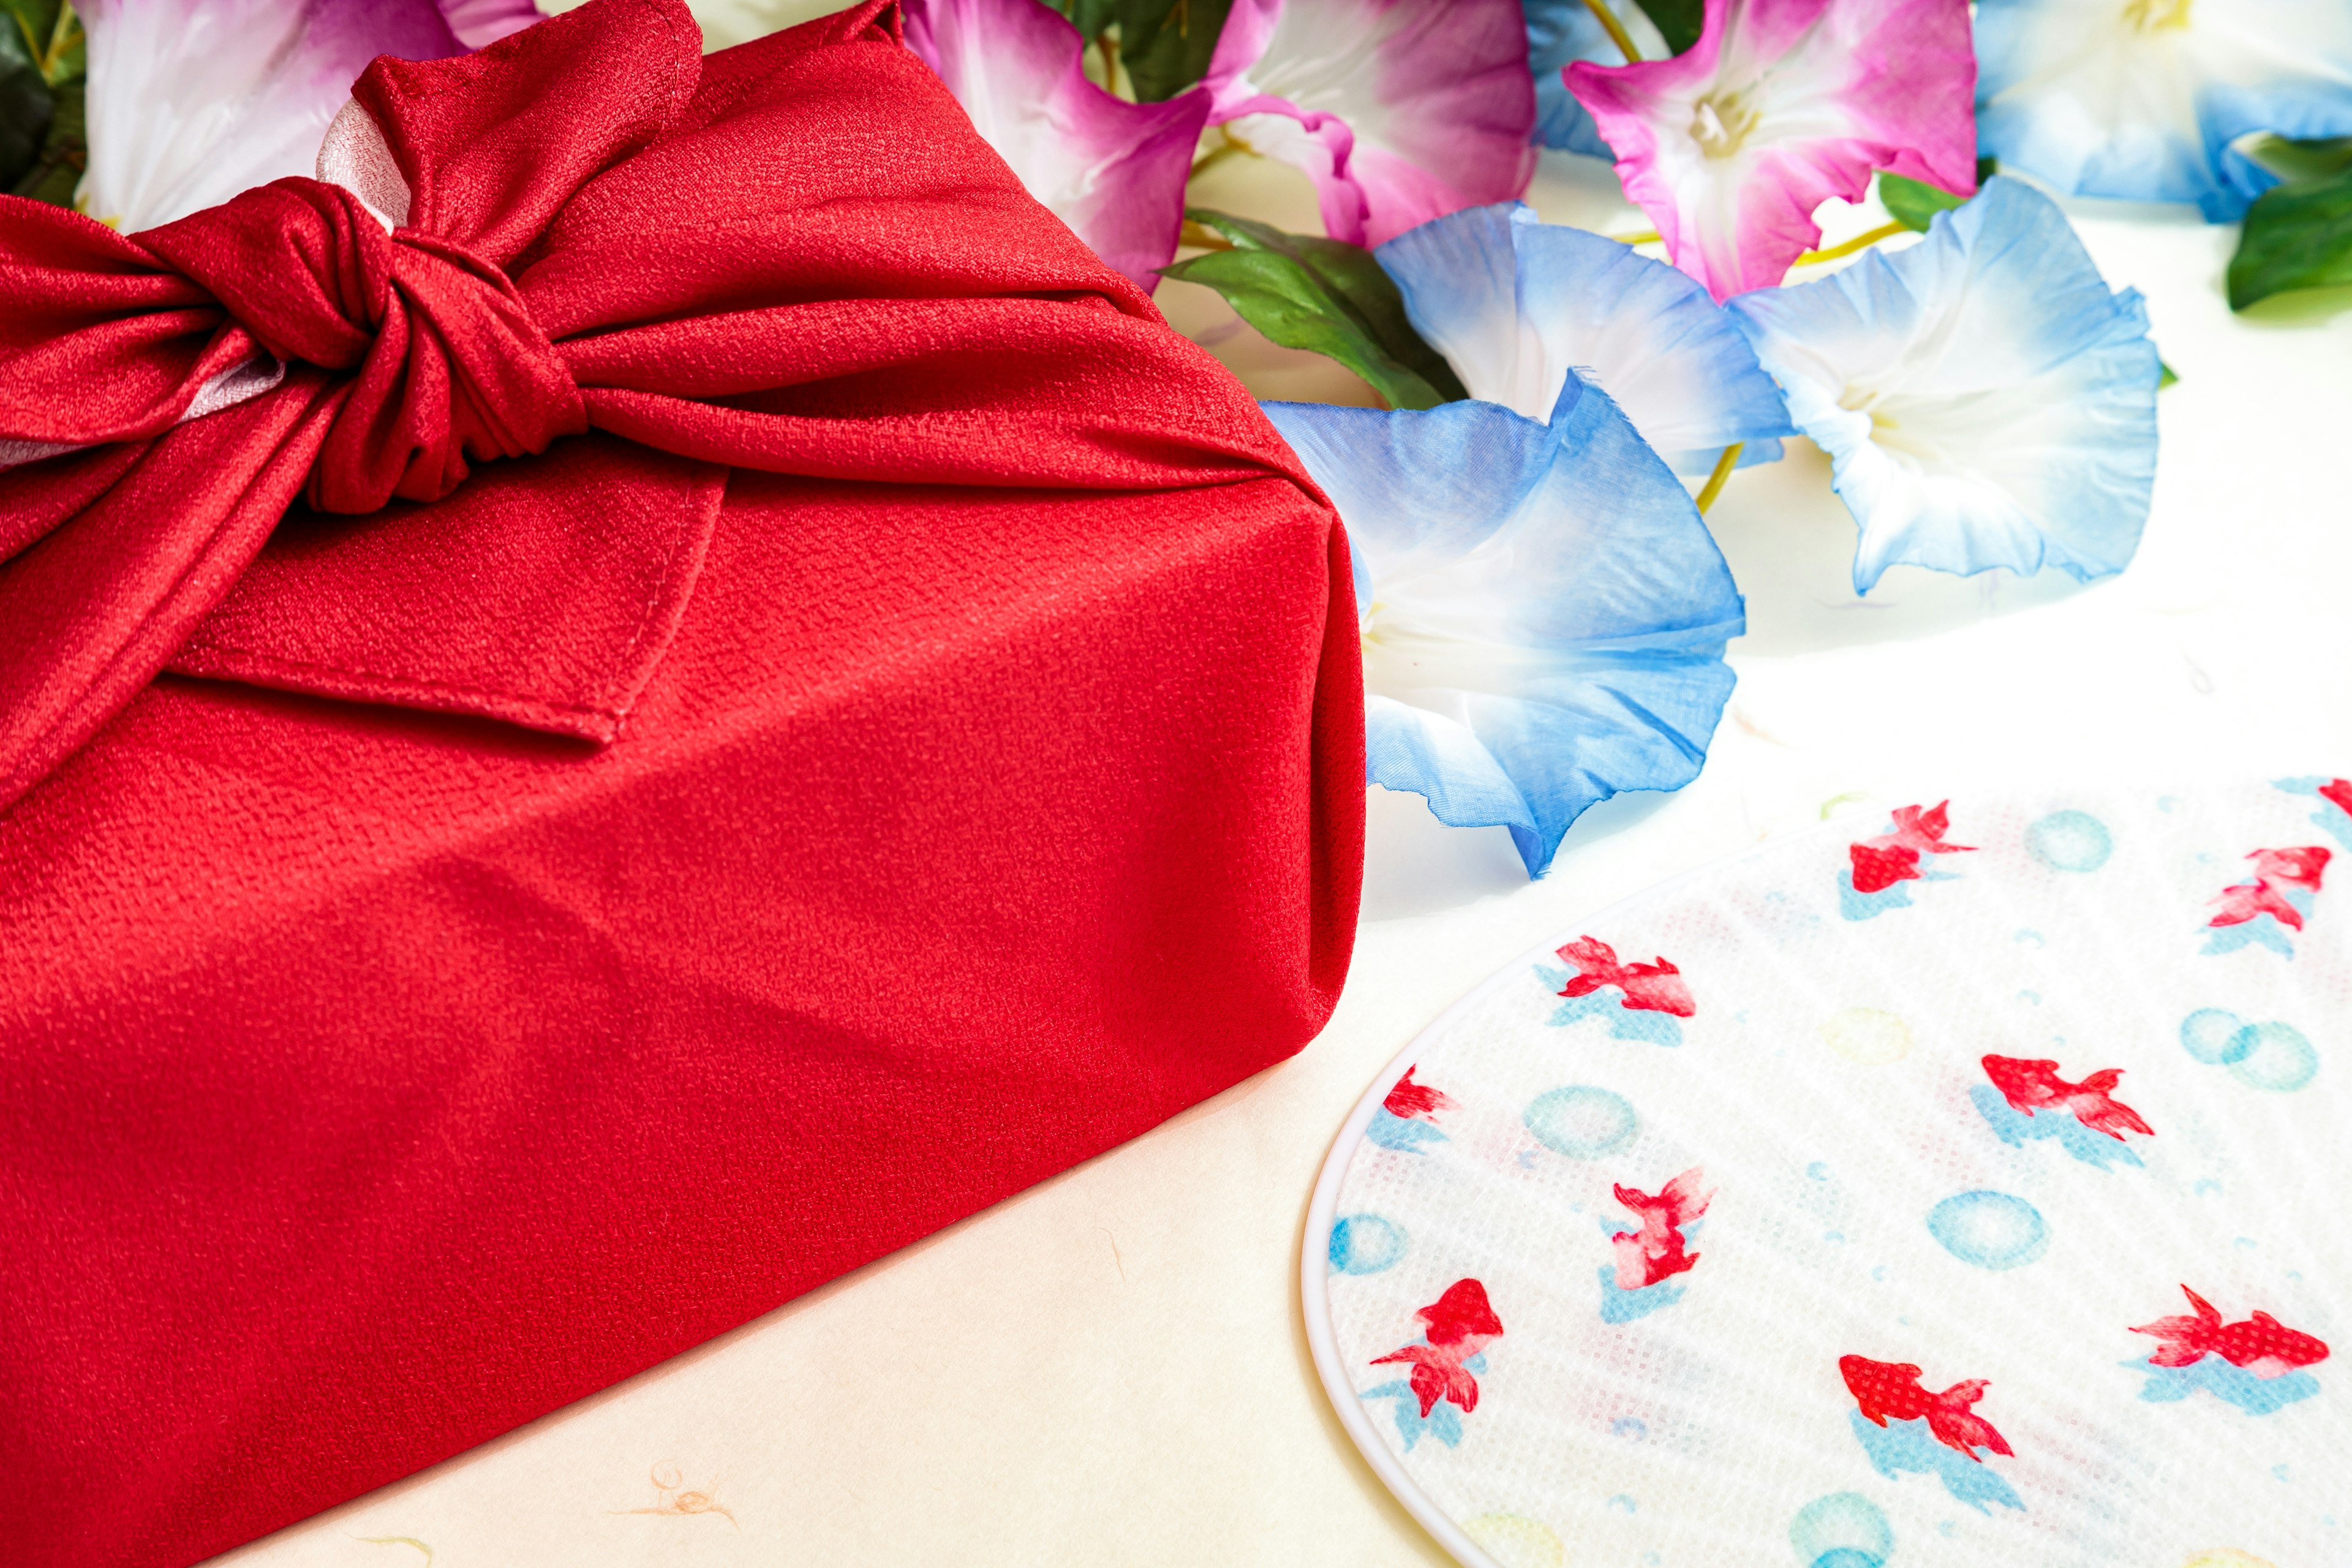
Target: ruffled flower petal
column 1113, row 171
column 2142, row 99
column 1516, row 305
column 1544, row 614
column 1562, row 32
column 1780, row 106
column 1983, row 397
column 191, row 101
column 1399, row 110
column 478, row 24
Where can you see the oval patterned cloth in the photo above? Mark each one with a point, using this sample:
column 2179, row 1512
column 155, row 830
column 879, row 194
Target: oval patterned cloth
column 1960, row 1184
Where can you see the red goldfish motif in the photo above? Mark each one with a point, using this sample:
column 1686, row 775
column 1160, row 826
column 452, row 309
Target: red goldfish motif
column 1458, row 1325
column 1654, row 987
column 1894, row 857
column 1891, row 1390
column 1656, row 1251
column 1412, row 1102
column 2034, row 1085
column 2276, row 870
column 2261, row 1344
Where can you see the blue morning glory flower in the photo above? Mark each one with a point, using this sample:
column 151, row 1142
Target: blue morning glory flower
column 1516, row 305
column 2142, row 99
column 1559, row 31
column 1544, row 615
column 1984, row 399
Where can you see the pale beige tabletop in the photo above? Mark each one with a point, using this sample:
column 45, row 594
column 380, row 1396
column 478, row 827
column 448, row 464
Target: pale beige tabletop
column 1110, row 1368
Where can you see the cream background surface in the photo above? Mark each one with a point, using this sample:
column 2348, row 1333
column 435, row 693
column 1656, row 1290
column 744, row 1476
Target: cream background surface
column 1110, row 1368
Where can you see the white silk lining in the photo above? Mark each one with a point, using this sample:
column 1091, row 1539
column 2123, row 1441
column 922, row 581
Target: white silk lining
column 354, row 155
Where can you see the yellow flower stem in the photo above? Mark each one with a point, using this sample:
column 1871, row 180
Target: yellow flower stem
column 1647, row 237
column 1615, row 30
column 1203, row 238
column 63, row 35
column 1858, row 242
column 1723, row 466
column 1226, row 147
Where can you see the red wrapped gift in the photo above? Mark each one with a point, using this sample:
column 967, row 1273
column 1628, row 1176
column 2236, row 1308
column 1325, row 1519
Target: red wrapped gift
column 787, row 706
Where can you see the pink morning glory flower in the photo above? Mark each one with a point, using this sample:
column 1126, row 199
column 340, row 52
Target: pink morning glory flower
column 191, row 101
column 1113, row 171
column 1400, row 110
column 1780, row 106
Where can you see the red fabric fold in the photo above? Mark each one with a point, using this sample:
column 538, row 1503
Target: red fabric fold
column 604, row 231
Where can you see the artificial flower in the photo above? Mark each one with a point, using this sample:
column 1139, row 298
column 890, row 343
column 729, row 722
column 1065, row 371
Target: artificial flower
column 1561, row 32
column 1543, row 613
column 191, row 101
column 1984, row 399
column 1782, row 104
column 1516, row 305
column 2142, row 99
column 1113, row 171
column 1399, row 110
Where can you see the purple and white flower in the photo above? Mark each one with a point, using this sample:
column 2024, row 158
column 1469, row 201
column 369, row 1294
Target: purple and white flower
column 1731, row 146
column 1113, row 171
column 191, row 101
column 1400, row 110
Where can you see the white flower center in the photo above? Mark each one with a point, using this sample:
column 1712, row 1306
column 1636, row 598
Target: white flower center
column 1721, row 120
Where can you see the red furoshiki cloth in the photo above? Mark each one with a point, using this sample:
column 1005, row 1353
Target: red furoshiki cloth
column 899, row 736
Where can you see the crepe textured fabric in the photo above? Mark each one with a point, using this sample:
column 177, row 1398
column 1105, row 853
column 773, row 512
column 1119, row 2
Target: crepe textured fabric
column 604, row 233
column 373, row 1079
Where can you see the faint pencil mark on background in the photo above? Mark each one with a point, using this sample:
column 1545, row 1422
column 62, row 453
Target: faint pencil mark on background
column 667, row 1480
column 399, row 1540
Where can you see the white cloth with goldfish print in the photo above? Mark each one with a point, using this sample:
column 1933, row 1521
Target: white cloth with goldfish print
column 1969, row 1192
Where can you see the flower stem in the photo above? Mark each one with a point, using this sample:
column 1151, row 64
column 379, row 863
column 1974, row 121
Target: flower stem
column 1723, row 466
column 1214, row 156
column 1203, row 238
column 1647, row 237
column 63, row 35
column 1615, row 30
column 1858, row 242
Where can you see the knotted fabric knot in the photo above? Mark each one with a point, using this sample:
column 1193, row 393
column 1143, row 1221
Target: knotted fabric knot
column 445, row 362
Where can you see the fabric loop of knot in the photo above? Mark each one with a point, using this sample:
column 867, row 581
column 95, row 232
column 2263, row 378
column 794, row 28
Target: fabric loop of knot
column 446, row 363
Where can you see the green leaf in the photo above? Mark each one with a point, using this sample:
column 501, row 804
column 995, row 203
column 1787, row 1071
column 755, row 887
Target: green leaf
column 2296, row 236
column 64, row 153
column 1326, row 296
column 2303, row 163
column 1913, row 202
column 26, row 106
column 47, row 35
column 1679, row 22
column 1092, row 18
column 1166, row 44
column 2165, row 375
